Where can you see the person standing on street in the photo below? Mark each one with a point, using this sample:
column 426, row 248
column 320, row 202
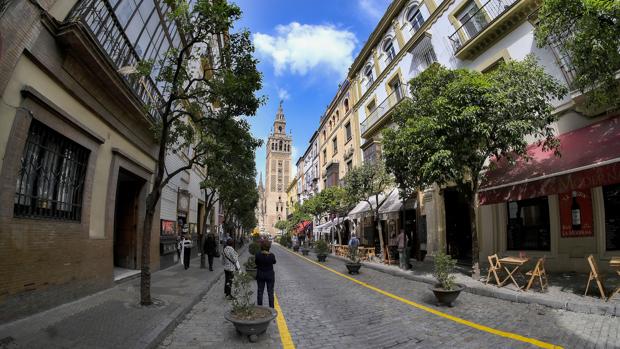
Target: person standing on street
column 264, row 273
column 402, row 250
column 230, row 259
column 210, row 248
column 185, row 246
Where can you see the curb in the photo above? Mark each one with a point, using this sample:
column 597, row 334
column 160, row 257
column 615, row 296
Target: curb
column 159, row 333
column 576, row 307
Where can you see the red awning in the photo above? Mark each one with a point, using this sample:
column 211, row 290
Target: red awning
column 302, row 226
column 590, row 157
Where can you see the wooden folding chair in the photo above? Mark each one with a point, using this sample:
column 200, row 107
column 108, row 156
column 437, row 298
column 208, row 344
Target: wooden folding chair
column 494, row 267
column 595, row 275
column 540, row 273
column 617, row 290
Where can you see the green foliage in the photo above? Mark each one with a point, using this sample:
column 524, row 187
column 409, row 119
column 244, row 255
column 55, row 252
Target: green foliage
column 242, row 294
column 281, row 225
column 457, row 119
column 286, row 240
column 321, row 247
column 444, row 268
column 365, row 183
column 589, row 33
column 250, row 263
column 254, row 248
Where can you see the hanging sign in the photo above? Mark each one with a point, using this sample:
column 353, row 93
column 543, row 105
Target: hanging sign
column 576, row 213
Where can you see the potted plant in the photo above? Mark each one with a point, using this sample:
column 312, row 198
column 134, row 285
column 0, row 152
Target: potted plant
column 249, row 319
column 446, row 290
column 250, row 264
column 322, row 249
column 353, row 265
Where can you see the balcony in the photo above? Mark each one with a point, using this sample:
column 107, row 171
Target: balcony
column 99, row 19
column 489, row 23
column 377, row 116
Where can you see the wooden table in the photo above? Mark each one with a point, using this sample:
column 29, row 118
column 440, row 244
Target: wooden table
column 512, row 265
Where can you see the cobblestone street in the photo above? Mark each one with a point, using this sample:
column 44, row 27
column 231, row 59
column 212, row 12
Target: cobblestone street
column 325, row 310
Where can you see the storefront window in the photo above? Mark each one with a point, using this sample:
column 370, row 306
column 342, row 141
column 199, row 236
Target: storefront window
column 528, row 225
column 611, row 195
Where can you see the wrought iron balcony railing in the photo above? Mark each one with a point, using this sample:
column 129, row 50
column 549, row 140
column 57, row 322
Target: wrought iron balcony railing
column 478, row 21
column 100, row 20
column 382, row 109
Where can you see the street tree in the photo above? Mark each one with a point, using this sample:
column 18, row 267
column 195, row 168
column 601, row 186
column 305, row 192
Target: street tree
column 336, row 203
column 457, row 119
column 588, row 32
column 223, row 88
column 231, row 149
column 367, row 183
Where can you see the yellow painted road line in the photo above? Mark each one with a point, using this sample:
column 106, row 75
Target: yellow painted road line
column 285, row 335
column 479, row 327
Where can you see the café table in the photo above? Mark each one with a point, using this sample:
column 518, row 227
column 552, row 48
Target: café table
column 512, row 265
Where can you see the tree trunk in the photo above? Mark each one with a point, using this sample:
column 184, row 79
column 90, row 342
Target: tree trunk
column 145, row 273
column 475, row 249
column 203, row 263
column 384, row 256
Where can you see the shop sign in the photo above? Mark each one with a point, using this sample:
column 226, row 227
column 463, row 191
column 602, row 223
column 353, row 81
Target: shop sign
column 168, row 227
column 576, row 213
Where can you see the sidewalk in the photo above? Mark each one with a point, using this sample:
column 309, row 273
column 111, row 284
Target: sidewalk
column 565, row 291
column 113, row 318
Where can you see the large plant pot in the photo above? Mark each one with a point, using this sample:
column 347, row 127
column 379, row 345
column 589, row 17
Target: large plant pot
column 321, row 257
column 296, row 248
column 353, row 268
column 447, row 297
column 305, row 251
column 252, row 328
column 251, row 272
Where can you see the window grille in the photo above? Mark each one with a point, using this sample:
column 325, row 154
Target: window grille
column 50, row 181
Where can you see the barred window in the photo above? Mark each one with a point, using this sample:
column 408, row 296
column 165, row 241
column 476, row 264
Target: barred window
column 50, row 181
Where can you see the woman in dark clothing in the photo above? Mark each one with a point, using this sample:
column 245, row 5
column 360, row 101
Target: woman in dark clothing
column 264, row 273
column 209, row 248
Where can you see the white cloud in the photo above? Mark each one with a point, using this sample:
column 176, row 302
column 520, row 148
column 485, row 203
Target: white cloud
column 374, row 9
column 283, row 94
column 299, row 48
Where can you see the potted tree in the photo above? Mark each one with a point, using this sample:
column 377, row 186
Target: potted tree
column 250, row 264
column 353, row 265
column 249, row 319
column 446, row 290
column 322, row 249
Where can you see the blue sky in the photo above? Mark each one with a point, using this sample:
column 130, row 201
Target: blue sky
column 305, row 49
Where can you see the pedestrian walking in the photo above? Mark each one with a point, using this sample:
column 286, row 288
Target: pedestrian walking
column 402, row 250
column 210, row 249
column 393, row 246
column 264, row 273
column 354, row 242
column 230, row 259
column 185, row 248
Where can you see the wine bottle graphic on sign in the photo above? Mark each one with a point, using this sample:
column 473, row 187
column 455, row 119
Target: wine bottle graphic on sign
column 575, row 212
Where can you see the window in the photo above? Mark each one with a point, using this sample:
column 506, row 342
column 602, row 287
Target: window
column 397, row 91
column 611, row 197
column 414, row 17
column 324, row 135
column 388, row 48
column 472, row 19
column 346, row 105
column 335, row 144
column 370, row 107
column 347, row 131
column 324, row 156
column 368, row 74
column 528, row 224
column 337, row 115
column 349, row 165
column 50, row 181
